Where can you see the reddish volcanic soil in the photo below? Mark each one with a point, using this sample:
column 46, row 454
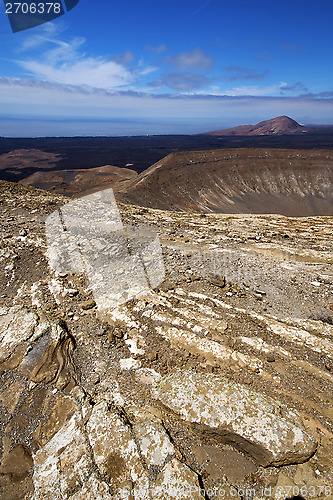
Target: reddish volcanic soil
column 279, row 125
column 287, row 182
column 20, row 159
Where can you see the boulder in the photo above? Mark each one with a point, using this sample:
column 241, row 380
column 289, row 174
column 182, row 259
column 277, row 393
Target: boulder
column 63, row 465
column 154, row 443
column 38, row 346
column 233, row 414
column 114, row 448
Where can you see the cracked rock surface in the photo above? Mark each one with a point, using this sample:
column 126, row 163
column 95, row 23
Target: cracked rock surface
column 218, row 383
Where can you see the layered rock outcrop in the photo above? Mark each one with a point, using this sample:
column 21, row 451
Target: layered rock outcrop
column 216, row 382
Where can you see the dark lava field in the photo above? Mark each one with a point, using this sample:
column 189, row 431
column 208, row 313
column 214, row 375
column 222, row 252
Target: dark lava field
column 142, row 151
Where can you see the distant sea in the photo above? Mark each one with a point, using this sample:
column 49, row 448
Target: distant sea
column 56, row 128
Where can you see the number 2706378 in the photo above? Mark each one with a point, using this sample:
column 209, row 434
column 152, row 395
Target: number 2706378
column 33, row 8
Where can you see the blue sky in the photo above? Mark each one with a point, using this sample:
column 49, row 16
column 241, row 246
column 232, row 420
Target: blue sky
column 166, row 66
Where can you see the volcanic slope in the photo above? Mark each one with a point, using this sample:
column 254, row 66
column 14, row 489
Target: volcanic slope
column 279, row 125
column 258, row 181
column 70, row 182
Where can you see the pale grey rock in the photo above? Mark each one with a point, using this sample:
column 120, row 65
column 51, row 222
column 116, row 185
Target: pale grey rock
column 147, row 375
column 63, row 464
column 17, row 325
column 115, row 451
column 153, row 441
column 93, row 489
column 10, row 396
column 129, row 364
column 177, row 481
column 117, row 455
column 233, row 413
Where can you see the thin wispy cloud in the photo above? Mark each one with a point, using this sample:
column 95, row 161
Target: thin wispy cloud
column 157, row 49
column 43, row 34
column 289, row 48
column 180, row 81
column 199, row 9
column 255, row 91
column 242, row 73
column 195, row 59
column 296, row 87
column 21, row 85
column 199, row 59
column 320, row 95
column 125, row 58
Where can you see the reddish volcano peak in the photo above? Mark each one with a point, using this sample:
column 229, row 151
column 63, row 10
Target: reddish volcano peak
column 279, row 125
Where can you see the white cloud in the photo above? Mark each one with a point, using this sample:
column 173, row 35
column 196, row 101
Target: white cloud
column 255, row 91
column 93, row 72
column 242, row 91
column 147, row 70
column 65, row 63
column 182, row 81
column 297, row 87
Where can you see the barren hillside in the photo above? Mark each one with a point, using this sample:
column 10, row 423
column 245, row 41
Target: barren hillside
column 71, row 182
column 288, row 182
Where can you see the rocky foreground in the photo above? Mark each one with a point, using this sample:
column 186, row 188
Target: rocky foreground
column 217, row 384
